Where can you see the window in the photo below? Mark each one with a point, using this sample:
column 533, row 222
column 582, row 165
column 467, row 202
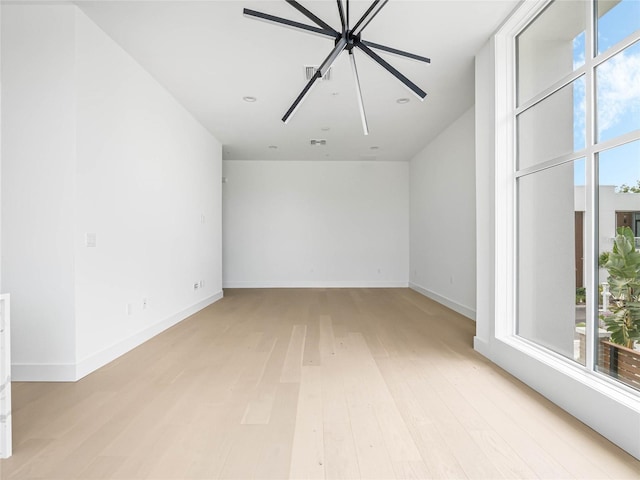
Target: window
column 576, row 173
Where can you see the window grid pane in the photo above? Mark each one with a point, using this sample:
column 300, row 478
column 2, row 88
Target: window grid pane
column 618, row 94
column 551, row 287
column 617, row 19
column 619, row 282
column 552, row 210
column 553, row 127
column 550, row 48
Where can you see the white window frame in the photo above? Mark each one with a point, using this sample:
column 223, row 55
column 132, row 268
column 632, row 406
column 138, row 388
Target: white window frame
column 507, row 111
column 579, row 390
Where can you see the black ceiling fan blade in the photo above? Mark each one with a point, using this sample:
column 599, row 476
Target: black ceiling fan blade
column 337, row 50
column 322, row 70
column 318, row 21
column 298, row 101
column 387, row 66
column 371, row 12
column 395, row 51
column 290, row 23
column 343, row 20
column 356, row 77
column 347, row 14
column 371, row 17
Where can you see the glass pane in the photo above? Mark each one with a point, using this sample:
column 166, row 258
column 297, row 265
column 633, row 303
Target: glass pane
column 617, row 19
column 619, row 207
column 551, row 288
column 551, row 47
column 618, row 94
column 553, row 127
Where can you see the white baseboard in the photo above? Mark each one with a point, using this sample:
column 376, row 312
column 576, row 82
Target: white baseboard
column 317, row 284
column 43, row 372
column 481, row 346
column 447, row 302
column 72, row 373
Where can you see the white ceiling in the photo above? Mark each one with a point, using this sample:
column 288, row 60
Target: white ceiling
column 209, row 56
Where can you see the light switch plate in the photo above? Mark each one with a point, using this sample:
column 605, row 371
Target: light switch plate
column 90, row 239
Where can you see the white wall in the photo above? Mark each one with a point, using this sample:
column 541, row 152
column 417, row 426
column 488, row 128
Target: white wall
column 38, row 182
column 443, row 218
column 148, row 174
column 333, row 224
column 484, row 187
column 93, row 144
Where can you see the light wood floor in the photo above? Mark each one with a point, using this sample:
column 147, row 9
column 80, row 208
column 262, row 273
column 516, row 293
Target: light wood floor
column 344, row 383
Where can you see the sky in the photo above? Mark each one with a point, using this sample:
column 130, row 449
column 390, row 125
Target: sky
column 617, row 96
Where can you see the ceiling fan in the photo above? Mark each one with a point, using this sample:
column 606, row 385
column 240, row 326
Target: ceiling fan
column 348, row 38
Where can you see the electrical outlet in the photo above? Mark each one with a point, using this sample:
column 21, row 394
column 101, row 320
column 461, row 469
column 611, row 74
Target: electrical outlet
column 201, row 283
column 144, row 303
column 196, row 285
column 129, row 308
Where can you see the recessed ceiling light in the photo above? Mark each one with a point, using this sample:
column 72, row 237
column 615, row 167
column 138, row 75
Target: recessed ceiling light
column 249, row 99
column 273, row 147
column 402, row 101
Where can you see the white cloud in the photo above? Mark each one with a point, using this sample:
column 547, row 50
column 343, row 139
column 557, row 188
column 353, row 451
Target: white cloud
column 618, row 89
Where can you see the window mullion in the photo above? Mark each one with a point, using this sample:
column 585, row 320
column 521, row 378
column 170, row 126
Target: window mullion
column 591, row 227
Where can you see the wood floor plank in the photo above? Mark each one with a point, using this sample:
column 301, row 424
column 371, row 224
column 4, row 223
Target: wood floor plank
column 307, row 456
column 374, row 460
column 341, row 458
column 293, row 360
column 274, row 462
column 327, row 339
column 311, row 355
column 241, row 461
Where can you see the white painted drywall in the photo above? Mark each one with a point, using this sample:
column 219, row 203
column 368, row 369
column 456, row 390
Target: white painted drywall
column 38, row 182
column 93, row 144
column 148, row 174
column 443, row 218
column 300, row 224
column 485, row 185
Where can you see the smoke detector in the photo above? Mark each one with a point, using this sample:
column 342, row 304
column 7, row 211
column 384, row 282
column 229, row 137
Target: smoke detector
column 310, row 71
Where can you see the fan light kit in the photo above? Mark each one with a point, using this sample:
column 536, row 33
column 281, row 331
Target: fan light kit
column 345, row 39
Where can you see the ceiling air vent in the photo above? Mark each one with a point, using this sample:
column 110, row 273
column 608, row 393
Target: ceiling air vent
column 310, row 71
column 318, row 142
